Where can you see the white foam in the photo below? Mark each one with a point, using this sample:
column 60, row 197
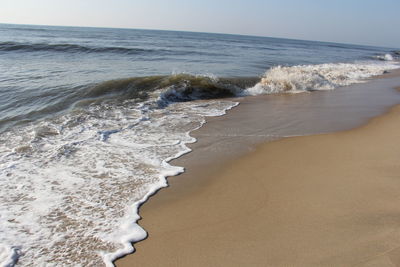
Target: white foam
column 316, row 77
column 73, row 185
column 386, row 57
column 8, row 255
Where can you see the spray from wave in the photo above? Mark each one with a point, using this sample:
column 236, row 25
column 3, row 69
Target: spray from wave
column 305, row 78
column 386, row 57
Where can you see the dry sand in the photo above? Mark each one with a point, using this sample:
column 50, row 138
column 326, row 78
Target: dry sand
column 322, row 200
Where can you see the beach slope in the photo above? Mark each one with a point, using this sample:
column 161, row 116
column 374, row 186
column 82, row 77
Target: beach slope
column 326, row 200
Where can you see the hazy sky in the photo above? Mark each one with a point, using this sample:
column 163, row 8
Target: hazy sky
column 374, row 22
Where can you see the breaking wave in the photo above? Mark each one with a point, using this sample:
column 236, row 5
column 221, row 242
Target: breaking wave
column 303, row 78
column 385, row 57
column 279, row 79
column 166, row 89
column 186, row 87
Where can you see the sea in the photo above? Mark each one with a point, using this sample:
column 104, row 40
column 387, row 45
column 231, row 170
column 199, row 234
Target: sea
column 91, row 117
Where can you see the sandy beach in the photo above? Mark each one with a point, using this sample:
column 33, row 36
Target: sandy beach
column 319, row 200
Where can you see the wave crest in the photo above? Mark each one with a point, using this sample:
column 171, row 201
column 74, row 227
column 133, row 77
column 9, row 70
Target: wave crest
column 386, row 57
column 316, row 77
column 171, row 88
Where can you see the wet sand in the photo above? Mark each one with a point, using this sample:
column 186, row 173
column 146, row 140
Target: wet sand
column 320, row 200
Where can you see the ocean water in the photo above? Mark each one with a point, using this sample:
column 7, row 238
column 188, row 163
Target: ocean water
column 90, row 118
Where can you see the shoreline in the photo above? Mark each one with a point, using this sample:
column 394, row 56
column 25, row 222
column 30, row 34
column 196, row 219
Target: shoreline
column 183, row 190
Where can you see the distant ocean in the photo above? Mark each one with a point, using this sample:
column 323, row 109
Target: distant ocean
column 90, row 117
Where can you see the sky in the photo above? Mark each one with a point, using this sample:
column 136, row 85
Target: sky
column 370, row 22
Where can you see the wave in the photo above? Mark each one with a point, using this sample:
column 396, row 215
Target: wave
column 186, row 87
column 385, row 57
column 76, row 48
column 162, row 90
column 73, row 48
column 171, row 88
column 303, row 78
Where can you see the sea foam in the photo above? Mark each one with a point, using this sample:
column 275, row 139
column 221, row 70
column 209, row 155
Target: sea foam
column 386, row 57
column 71, row 185
column 304, row 78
